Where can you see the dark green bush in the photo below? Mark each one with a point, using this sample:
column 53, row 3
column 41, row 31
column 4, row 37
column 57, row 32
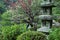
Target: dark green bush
column 11, row 32
column 54, row 34
column 32, row 35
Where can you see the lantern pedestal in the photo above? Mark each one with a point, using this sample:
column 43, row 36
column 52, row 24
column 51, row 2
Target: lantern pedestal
column 44, row 29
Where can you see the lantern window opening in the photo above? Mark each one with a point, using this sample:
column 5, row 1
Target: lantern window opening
column 45, row 23
column 45, row 11
column 48, row 11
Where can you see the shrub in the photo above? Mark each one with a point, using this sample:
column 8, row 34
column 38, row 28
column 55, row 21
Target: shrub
column 54, row 34
column 10, row 33
column 32, row 35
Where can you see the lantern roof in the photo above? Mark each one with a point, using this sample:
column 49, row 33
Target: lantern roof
column 46, row 5
column 45, row 17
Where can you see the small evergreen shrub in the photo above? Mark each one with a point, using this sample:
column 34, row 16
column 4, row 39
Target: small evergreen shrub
column 32, row 35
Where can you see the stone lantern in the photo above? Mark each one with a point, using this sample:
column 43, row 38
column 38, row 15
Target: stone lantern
column 46, row 17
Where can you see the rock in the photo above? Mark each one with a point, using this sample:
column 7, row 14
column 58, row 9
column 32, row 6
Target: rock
column 56, row 24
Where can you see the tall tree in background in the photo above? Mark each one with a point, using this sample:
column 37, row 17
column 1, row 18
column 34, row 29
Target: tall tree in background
column 28, row 11
column 31, row 8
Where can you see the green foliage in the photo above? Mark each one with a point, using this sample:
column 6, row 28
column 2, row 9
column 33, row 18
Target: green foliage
column 56, row 10
column 32, row 35
column 7, row 15
column 2, row 6
column 11, row 32
column 54, row 34
column 5, row 23
column 5, row 18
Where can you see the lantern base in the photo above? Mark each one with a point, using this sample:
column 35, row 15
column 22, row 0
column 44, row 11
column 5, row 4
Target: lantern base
column 44, row 29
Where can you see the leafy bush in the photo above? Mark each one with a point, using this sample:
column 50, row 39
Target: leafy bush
column 55, row 34
column 10, row 33
column 6, row 18
column 32, row 35
column 7, row 15
column 5, row 23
